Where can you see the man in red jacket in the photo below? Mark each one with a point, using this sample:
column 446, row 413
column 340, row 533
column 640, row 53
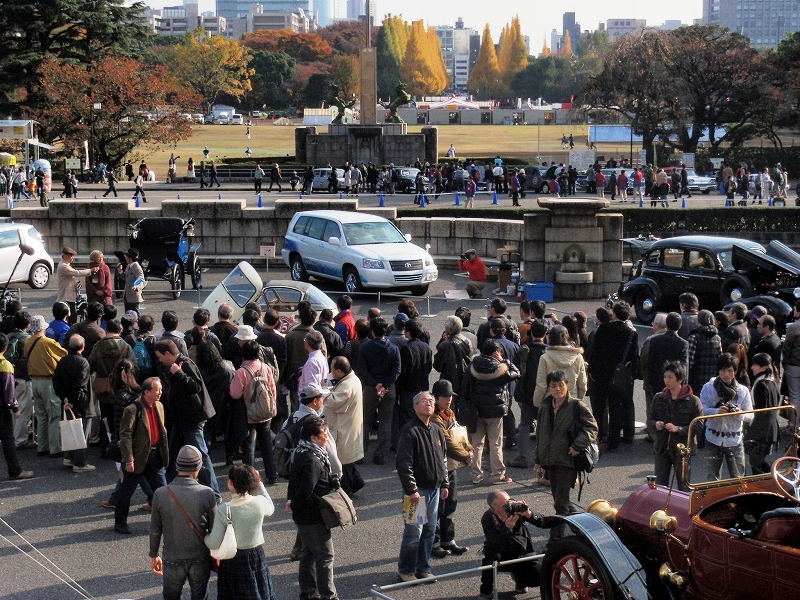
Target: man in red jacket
column 477, row 272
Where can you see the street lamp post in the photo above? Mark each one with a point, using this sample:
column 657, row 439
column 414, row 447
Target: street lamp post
column 96, row 108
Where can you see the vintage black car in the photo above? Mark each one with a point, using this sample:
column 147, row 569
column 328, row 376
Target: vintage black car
column 165, row 252
column 718, row 270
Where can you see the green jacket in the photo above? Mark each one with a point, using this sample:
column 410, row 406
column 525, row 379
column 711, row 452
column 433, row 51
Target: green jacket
column 552, row 441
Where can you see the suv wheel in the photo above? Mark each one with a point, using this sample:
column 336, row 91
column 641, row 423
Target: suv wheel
column 352, row 280
column 298, row 269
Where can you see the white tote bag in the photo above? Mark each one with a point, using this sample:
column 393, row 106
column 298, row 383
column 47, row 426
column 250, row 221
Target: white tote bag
column 227, row 549
column 72, row 437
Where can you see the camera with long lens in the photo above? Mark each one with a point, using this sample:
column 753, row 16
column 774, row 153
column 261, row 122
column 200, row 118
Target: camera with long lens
column 515, row 507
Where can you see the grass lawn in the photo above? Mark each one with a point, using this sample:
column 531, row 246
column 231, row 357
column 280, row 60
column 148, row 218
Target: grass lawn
column 523, row 141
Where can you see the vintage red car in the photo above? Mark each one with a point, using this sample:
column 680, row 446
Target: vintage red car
column 728, row 539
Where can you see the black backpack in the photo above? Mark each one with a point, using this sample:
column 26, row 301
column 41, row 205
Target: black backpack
column 284, row 444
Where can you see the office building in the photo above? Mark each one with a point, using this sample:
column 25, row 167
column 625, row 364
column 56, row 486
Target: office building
column 177, row 20
column 617, row 28
column 574, row 28
column 356, row 9
column 765, row 22
column 458, row 51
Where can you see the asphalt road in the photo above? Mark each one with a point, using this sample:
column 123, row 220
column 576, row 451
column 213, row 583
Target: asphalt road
column 60, row 513
column 159, row 191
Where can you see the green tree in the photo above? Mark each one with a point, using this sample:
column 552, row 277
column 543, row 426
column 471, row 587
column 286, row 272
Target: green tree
column 316, row 90
column 210, row 66
column 785, row 61
column 485, row 80
column 391, row 47
column 125, row 88
column 552, row 78
column 344, row 73
column 34, row 31
column 274, row 72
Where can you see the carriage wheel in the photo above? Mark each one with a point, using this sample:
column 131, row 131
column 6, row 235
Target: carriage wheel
column 176, row 279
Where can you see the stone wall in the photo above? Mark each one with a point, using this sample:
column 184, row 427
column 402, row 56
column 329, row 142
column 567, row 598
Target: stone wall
column 379, row 144
column 229, row 231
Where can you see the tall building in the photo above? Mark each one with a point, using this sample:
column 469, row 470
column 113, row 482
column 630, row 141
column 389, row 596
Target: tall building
column 357, row 9
column 617, row 28
column 765, row 22
column 457, row 51
column 574, row 28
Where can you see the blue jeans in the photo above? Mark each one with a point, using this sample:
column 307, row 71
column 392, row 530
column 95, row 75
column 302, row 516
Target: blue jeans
column 192, row 435
column 415, row 549
column 176, row 572
column 734, row 458
column 259, row 433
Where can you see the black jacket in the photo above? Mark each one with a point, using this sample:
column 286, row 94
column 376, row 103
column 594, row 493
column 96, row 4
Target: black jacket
column 421, row 461
column 765, row 426
column 71, row 380
column 485, row 383
column 416, row 363
column 269, row 338
column 453, row 359
column 680, row 412
column 771, row 345
column 502, row 543
column 523, row 393
column 665, row 347
column 608, row 347
column 332, row 340
column 189, row 402
column 309, row 479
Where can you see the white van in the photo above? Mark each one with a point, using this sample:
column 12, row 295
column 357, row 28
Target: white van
column 236, row 119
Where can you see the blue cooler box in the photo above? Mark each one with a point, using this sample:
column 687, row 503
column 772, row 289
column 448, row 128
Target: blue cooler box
column 539, row 290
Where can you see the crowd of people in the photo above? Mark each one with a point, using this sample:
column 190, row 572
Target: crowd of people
column 345, row 389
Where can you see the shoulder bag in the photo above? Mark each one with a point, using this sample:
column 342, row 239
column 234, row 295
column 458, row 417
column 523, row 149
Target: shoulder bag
column 227, row 549
column 622, row 379
column 337, row 509
column 214, row 561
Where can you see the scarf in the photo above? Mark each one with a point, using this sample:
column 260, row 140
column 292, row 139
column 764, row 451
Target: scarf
column 725, row 391
column 318, row 451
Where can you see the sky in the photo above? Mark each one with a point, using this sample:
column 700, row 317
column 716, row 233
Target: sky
column 537, row 18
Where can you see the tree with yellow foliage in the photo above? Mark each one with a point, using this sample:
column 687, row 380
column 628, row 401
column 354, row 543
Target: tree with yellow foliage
column 485, row 80
column 422, row 68
column 545, row 50
column 210, row 65
column 512, row 54
column 566, row 48
column 391, row 48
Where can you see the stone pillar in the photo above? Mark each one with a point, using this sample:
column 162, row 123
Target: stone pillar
column 431, row 144
column 301, row 143
column 573, row 247
column 369, row 85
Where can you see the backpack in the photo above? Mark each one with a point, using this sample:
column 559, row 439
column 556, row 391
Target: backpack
column 144, row 363
column 261, row 405
column 283, row 446
column 16, row 354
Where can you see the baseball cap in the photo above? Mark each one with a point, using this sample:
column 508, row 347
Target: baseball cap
column 312, row 390
column 756, row 312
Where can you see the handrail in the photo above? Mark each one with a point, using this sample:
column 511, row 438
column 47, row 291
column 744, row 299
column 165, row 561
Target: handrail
column 376, row 591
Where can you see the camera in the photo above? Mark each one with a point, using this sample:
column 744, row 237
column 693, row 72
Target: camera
column 515, row 507
column 463, row 257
